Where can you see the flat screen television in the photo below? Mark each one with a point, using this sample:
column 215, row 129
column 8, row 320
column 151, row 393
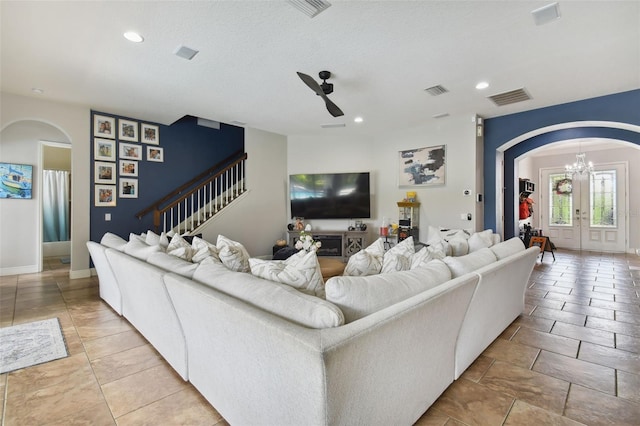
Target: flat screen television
column 15, row 180
column 330, row 195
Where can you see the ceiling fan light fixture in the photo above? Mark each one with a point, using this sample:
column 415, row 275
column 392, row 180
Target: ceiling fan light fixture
column 311, row 8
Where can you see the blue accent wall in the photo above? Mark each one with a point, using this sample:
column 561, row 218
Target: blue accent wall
column 189, row 149
column 619, row 108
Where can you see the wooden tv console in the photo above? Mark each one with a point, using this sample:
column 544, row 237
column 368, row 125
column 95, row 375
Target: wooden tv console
column 336, row 244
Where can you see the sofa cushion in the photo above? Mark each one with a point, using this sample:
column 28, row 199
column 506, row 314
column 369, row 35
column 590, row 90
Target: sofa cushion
column 464, row 264
column 398, row 258
column 179, row 247
column 137, row 248
column 203, row 249
column 479, row 240
column 459, row 245
column 426, row 255
column 233, row 254
column 113, row 241
column 360, row 296
column 300, row 271
column 276, row 298
column 172, row 263
column 507, row 248
column 367, row 261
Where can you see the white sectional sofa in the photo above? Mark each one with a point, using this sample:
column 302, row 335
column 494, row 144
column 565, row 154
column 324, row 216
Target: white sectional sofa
column 264, row 353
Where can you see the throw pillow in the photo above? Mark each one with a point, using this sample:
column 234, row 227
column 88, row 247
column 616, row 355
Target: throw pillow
column 233, row 254
column 113, row 241
column 398, row 258
column 480, row 240
column 459, row 245
column 426, row 255
column 367, row 261
column 301, row 271
column 203, row 249
column 507, row 248
column 470, row 262
column 179, row 247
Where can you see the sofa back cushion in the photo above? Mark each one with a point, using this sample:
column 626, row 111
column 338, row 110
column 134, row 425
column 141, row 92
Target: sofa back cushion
column 479, row 240
column 276, row 298
column 360, row 296
column 301, row 271
column 113, row 241
column 468, row 263
column 137, row 248
column 172, row 263
column 507, row 248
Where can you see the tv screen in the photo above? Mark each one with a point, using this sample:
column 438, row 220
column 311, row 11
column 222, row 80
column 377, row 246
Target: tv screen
column 330, row 196
column 15, row 180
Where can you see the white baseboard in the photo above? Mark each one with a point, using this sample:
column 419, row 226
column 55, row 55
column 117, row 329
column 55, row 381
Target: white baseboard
column 18, row 270
column 82, row 273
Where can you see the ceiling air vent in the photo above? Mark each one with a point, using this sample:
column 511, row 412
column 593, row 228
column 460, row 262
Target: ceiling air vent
column 511, row 97
column 185, row 52
column 332, row 126
column 310, row 7
column 436, row 90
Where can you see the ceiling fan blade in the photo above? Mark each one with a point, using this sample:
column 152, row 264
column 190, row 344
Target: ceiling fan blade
column 331, row 107
column 313, row 85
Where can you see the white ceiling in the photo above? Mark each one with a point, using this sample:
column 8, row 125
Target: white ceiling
column 383, row 54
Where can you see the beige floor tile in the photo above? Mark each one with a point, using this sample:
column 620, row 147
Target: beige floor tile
column 103, row 346
column 95, row 415
column 106, row 328
column 562, row 316
column 614, row 358
column 534, row 388
column 595, row 408
column 629, row 386
column 589, row 310
column 525, row 414
column 477, row 369
column 474, row 404
column 615, row 326
column 627, row 317
column 600, row 337
column 116, row 366
column 550, row 342
column 137, row 390
column 513, row 352
column 623, row 307
column 577, row 371
column 432, row 417
column 186, row 407
column 628, row 343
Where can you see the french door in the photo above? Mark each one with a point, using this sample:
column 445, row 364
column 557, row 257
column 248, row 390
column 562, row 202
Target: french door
column 585, row 212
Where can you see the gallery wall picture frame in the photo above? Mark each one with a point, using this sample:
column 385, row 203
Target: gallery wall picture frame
column 104, row 149
column 104, row 126
column 105, row 195
column 128, row 130
column 128, row 188
column 128, row 151
column 155, row 154
column 104, row 172
column 422, row 166
column 128, row 168
column 150, row 134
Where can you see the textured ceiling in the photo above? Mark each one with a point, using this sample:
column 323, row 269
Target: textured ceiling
column 383, row 54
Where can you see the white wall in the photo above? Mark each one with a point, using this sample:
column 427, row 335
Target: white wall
column 440, row 205
column 23, row 224
column 258, row 219
column 630, row 154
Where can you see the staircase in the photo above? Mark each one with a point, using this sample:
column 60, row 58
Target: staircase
column 186, row 209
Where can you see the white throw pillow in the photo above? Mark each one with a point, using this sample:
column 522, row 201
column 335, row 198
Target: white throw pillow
column 153, row 239
column 139, row 249
column 179, row 247
column 360, row 296
column 470, row 262
column 233, row 254
column 459, row 245
column 480, row 240
column 507, row 248
column 367, row 261
column 301, row 271
column 398, row 258
column 113, row 241
column 426, row 255
column 203, row 249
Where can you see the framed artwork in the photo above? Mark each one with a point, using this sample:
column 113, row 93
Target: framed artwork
column 155, row 154
column 128, row 188
column 104, row 172
column 128, row 168
column 105, row 195
column 104, row 127
column 128, row 130
column 130, row 152
column 422, row 166
column 150, row 134
column 16, row 180
column 104, row 149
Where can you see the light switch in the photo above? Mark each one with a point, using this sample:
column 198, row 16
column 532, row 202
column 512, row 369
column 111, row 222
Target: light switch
column 107, row 217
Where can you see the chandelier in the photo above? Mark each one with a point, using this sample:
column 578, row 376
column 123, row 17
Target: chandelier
column 580, row 167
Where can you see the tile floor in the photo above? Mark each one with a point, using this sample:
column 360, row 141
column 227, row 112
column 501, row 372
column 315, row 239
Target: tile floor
column 573, row 356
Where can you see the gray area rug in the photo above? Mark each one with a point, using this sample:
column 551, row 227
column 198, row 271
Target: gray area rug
column 30, row 344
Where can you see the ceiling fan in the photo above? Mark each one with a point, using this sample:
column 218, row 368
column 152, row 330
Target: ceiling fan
column 322, row 90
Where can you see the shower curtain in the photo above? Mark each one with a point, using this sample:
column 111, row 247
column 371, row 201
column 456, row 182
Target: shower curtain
column 55, row 205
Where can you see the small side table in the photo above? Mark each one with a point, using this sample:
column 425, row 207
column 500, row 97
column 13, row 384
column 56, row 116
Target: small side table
column 330, row 267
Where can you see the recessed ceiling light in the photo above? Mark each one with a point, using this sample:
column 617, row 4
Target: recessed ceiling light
column 358, row 119
column 133, row 36
column 37, row 90
column 482, row 85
